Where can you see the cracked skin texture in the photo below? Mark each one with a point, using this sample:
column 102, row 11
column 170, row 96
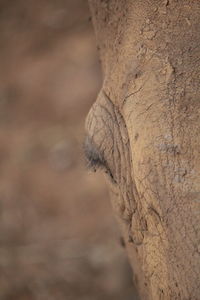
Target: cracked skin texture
column 144, row 129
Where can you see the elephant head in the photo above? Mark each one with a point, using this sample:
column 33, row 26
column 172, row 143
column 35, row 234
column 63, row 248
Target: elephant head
column 143, row 131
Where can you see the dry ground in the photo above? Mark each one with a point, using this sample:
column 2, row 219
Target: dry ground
column 58, row 237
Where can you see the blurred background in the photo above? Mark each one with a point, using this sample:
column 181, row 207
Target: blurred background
column 58, row 236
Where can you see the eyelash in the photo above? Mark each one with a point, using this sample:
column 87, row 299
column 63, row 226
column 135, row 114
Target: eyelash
column 95, row 161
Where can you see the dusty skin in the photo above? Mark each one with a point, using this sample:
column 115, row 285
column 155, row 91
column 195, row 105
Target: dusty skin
column 143, row 131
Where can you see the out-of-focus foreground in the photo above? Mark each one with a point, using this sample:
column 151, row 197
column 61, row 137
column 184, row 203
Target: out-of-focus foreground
column 58, row 237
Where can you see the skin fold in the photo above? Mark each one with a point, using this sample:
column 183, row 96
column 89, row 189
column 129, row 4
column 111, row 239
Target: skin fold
column 143, row 131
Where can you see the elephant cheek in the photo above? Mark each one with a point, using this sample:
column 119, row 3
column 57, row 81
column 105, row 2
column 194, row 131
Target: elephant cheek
column 166, row 171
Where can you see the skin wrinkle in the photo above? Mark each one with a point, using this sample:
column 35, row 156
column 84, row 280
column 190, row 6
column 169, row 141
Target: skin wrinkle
column 111, row 131
column 119, row 149
column 117, row 116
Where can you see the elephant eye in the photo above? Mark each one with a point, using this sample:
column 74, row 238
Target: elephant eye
column 95, row 158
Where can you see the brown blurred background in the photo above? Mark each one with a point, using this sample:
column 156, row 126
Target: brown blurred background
column 58, row 237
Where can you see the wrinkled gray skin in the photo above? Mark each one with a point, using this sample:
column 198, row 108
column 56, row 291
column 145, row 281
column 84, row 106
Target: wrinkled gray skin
column 144, row 132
